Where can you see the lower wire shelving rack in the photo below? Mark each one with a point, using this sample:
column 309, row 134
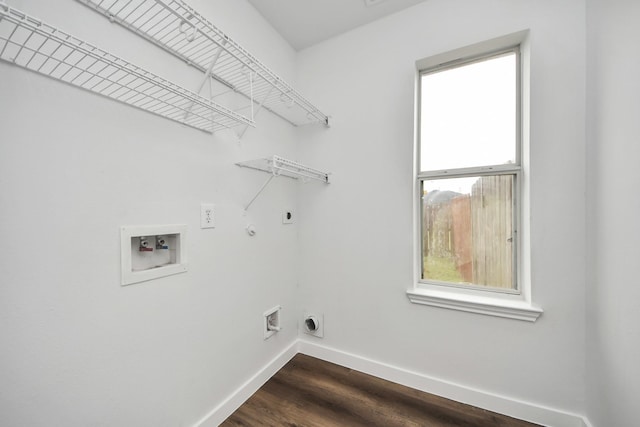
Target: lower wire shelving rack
column 279, row 166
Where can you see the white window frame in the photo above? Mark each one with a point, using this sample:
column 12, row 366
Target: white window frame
column 513, row 304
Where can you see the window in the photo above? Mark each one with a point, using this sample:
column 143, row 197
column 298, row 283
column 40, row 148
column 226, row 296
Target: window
column 469, row 168
column 469, row 175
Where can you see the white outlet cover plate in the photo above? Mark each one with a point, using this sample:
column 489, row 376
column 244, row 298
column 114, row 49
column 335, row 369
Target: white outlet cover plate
column 207, row 215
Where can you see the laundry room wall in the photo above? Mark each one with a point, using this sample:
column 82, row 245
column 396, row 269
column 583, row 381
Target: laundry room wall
column 613, row 299
column 356, row 240
column 78, row 348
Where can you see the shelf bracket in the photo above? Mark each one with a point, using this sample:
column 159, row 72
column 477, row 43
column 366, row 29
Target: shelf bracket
column 257, row 110
column 251, row 89
column 273, row 175
column 207, row 76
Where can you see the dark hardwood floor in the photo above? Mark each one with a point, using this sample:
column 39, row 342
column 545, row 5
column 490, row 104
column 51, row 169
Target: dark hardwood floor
column 311, row 392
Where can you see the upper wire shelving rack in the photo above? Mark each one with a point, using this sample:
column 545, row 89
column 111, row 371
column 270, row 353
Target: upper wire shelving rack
column 32, row 44
column 179, row 29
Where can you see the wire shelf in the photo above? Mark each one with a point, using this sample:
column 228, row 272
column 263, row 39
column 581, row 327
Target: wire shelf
column 32, row 44
column 179, row 29
column 279, row 166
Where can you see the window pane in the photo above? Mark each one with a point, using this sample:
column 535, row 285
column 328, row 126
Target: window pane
column 468, row 115
column 467, row 230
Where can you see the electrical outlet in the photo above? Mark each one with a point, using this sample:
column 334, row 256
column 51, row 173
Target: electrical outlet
column 207, row 215
column 288, row 216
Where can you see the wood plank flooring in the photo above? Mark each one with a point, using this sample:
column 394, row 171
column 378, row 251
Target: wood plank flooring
column 310, row 392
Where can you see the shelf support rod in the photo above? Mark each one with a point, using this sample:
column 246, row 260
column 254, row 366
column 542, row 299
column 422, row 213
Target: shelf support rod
column 258, row 108
column 251, row 89
column 273, row 175
column 207, row 75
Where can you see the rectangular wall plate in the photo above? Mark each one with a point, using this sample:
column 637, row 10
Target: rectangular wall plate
column 207, row 215
column 313, row 323
column 148, row 259
column 288, row 216
column 271, row 322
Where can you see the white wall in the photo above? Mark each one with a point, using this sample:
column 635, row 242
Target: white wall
column 356, row 236
column 614, row 297
column 77, row 348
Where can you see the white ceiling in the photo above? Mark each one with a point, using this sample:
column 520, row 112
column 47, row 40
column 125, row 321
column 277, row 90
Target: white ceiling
column 306, row 22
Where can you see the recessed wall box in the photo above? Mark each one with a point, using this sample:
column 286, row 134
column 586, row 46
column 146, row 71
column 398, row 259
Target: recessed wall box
column 272, row 321
column 150, row 252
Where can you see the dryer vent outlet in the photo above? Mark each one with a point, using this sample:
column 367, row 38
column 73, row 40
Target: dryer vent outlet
column 313, row 324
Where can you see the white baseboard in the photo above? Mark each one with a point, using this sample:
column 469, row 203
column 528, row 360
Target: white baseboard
column 238, row 397
column 504, row 405
column 492, row 402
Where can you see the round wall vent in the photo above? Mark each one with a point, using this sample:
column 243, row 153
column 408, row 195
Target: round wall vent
column 311, row 324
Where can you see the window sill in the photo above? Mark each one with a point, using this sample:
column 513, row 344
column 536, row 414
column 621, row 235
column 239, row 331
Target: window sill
column 491, row 306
